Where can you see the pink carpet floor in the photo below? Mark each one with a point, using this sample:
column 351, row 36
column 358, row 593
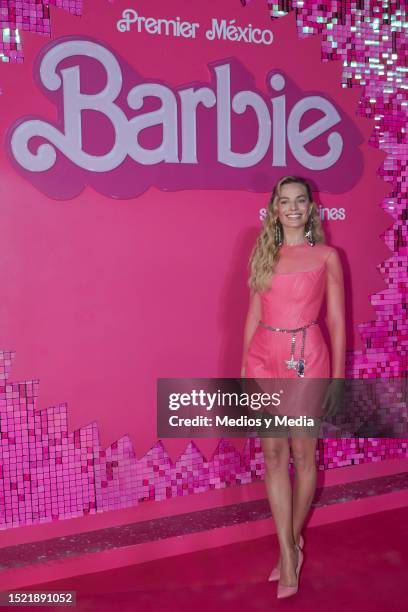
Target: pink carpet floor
column 355, row 565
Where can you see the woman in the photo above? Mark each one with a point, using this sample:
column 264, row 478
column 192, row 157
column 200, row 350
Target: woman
column 292, row 270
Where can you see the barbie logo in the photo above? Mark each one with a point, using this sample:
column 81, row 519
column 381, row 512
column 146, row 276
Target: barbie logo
column 122, row 134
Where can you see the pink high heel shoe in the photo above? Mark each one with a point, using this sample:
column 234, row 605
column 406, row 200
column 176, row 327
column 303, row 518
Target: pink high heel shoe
column 287, row 591
column 275, row 573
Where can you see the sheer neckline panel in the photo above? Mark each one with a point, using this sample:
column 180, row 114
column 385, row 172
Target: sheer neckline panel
column 301, row 258
column 301, row 271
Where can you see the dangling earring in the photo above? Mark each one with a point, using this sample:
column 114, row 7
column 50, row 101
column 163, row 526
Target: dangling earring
column 308, row 231
column 278, row 233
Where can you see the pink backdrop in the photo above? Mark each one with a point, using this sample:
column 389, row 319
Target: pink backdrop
column 101, row 295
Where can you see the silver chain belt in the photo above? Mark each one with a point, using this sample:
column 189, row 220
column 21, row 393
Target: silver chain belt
column 299, row 365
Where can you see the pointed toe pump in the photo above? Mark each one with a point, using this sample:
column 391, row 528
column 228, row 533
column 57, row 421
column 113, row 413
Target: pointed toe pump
column 288, row 591
column 275, row 573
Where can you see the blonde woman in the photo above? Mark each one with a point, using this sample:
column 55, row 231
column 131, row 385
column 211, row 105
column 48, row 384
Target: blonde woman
column 292, row 271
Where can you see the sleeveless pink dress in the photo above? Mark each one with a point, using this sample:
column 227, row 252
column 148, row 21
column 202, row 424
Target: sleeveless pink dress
column 293, row 300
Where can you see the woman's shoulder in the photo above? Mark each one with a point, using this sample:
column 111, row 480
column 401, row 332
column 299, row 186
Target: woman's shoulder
column 328, row 255
column 330, row 259
column 326, row 249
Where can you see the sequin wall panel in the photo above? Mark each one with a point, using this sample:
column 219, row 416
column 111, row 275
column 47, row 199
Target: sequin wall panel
column 30, row 15
column 48, row 473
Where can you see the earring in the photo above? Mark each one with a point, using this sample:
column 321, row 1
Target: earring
column 308, row 231
column 278, row 233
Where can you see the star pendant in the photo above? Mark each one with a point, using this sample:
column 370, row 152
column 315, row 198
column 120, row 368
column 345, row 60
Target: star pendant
column 291, row 363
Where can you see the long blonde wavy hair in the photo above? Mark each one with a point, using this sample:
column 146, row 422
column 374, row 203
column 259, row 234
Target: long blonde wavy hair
column 265, row 253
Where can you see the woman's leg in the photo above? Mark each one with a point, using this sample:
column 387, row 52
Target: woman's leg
column 304, row 459
column 279, row 490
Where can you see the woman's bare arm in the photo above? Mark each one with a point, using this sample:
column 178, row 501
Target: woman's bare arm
column 335, row 318
column 253, row 317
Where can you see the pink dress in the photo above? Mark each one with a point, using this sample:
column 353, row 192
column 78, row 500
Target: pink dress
column 294, row 299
